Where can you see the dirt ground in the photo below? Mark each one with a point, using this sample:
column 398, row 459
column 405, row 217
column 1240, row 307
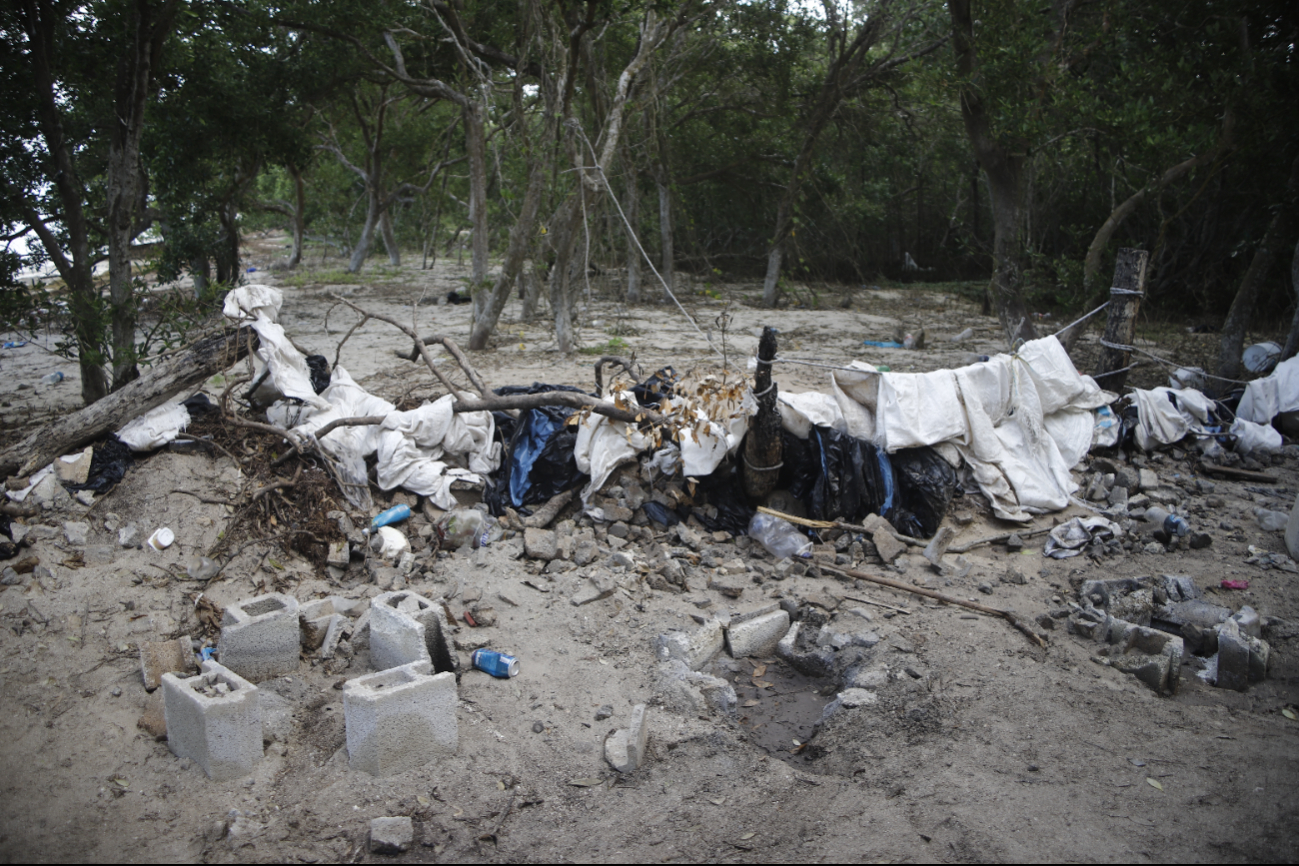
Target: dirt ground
column 981, row 746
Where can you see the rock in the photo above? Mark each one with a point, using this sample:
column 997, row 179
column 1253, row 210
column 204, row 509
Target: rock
column 585, row 552
column 622, row 559
column 539, row 544
column 756, row 634
column 671, row 570
column 799, row 648
column 538, row 728
column 694, row 649
column 1247, row 620
column 1233, row 657
column 619, row 530
column 153, row 721
column 162, row 657
column 727, row 586
column 85, row 497
column 595, row 589
column 77, row 470
column 688, row 537
column 1147, row 480
column 128, row 536
column 1014, row 544
column 625, row 749
column 391, row 835
column 888, row 547
column 1199, row 540
column 1118, row 496
column 604, row 712
column 1128, row 479
column 339, row 555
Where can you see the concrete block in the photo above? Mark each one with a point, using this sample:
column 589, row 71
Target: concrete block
column 540, row 544
column 696, row 649
column 625, row 749
column 399, row 719
column 391, row 835
column 169, row 656
column 333, row 634
column 260, row 637
column 756, row 636
column 214, row 719
column 406, row 627
column 339, row 555
column 1242, row 659
column 886, row 544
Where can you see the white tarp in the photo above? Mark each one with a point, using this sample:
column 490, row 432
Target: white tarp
column 604, row 444
column 1019, row 422
column 426, row 449
column 799, row 413
column 258, row 307
column 155, row 428
column 1268, row 397
column 1166, row 415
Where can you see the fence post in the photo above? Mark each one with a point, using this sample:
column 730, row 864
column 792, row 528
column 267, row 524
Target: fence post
column 1126, row 292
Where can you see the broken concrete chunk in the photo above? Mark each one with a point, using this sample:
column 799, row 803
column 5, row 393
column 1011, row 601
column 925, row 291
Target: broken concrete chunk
column 540, row 544
column 128, row 536
column 625, row 749
column 694, row 649
column 339, row 555
column 596, row 588
column 391, row 835
column 75, row 468
column 888, row 547
column 757, row 635
column 162, row 657
column 75, row 532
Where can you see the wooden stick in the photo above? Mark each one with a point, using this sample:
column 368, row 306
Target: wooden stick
column 419, row 346
column 839, row 524
column 557, row 398
column 879, row 604
column 994, row 539
column 1236, row 474
column 947, row 599
column 546, row 514
column 451, row 347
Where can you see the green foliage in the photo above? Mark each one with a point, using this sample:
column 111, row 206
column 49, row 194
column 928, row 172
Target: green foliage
column 614, row 346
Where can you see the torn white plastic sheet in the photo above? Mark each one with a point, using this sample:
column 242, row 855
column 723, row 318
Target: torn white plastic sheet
column 1019, row 422
column 604, row 444
column 426, row 449
column 32, row 481
column 258, row 307
column 1167, row 415
column 155, row 428
column 705, row 444
column 1268, row 397
column 799, row 413
column 1251, row 437
column 1069, row 538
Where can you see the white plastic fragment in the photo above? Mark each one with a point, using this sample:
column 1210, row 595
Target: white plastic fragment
column 162, row 538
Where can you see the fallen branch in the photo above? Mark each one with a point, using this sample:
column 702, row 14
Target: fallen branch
column 572, row 399
column 356, row 421
column 946, row 599
column 839, row 524
column 452, row 349
column 17, row 509
column 611, row 360
column 879, row 604
column 423, row 352
column 186, row 369
column 1236, row 474
column 996, row 539
column 546, row 514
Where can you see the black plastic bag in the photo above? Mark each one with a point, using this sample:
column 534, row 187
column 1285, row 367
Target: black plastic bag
column 838, row 476
column 652, row 391
column 660, row 513
column 538, row 462
column 319, row 366
column 926, row 485
column 723, row 491
column 108, row 464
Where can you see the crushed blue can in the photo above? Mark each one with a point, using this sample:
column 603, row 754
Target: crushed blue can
column 494, row 663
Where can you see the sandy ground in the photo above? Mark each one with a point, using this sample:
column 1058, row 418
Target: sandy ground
column 994, row 750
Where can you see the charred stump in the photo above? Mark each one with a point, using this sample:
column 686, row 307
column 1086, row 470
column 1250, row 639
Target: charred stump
column 1126, row 292
column 764, row 446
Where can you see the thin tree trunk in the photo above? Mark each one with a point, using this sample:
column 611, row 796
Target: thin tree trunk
column 667, row 265
column 1292, row 341
column 1129, row 287
column 532, row 290
column 476, row 147
column 1242, row 307
column 299, row 215
column 200, row 271
column 632, row 208
column 389, row 237
column 362, row 248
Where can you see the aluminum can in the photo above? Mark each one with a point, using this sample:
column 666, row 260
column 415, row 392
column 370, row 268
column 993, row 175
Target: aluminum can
column 494, row 663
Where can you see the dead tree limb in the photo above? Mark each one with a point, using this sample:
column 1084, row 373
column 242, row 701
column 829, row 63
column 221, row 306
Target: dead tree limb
column 764, row 446
column 995, row 539
column 613, row 361
column 946, row 599
column 1125, row 299
column 454, row 350
column 557, row 398
column 546, row 514
column 186, row 369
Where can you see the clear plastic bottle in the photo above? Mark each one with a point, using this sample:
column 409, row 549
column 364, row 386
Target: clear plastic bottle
column 52, row 379
column 1172, row 523
column 780, row 537
column 460, row 527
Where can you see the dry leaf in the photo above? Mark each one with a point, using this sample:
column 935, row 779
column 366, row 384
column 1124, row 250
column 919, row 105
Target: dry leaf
column 759, row 671
column 422, row 800
column 122, row 782
column 718, row 802
column 1289, row 714
column 1154, row 783
column 763, row 684
column 752, row 703
column 589, row 782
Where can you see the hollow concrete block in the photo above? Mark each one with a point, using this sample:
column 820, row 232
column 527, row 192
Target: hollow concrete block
column 260, row 637
column 399, row 719
column 406, row 627
column 214, row 718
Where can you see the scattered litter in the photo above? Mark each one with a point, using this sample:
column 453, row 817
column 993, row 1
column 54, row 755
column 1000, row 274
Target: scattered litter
column 1234, row 584
column 780, row 537
column 389, row 543
column 396, row 514
column 495, row 663
column 882, row 344
column 162, row 539
column 52, row 379
column 15, row 344
column 1267, row 559
column 1261, row 358
column 1070, row 538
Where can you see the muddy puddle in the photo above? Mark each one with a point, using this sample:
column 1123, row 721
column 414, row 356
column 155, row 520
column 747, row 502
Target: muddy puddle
column 776, row 706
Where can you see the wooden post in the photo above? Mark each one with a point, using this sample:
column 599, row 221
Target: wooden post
column 765, row 445
column 1126, row 292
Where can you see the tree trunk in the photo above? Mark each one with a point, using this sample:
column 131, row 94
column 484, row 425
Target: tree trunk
column 633, row 217
column 771, row 281
column 1242, row 307
column 227, row 259
column 1005, row 173
column 362, row 248
column 532, row 290
column 476, row 147
column 667, row 266
column 1125, row 300
column 200, row 271
column 764, row 445
column 1292, row 341
column 186, row 369
column 299, row 215
column 389, row 237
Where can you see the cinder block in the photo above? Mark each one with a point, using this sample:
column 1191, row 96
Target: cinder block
column 260, row 637
column 215, row 720
column 313, row 620
column 399, row 719
column 757, row 636
column 406, row 627
column 163, row 657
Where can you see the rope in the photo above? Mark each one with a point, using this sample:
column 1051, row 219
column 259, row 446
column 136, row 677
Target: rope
column 1080, row 321
column 1171, row 364
column 1119, row 290
column 761, row 468
column 632, row 232
column 764, row 390
column 1120, row 347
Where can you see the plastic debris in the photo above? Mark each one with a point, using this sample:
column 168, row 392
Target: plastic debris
column 162, row 539
column 495, row 663
column 780, row 537
column 389, row 543
column 52, row 379
column 1071, row 537
column 882, row 344
column 1235, row 584
column 396, row 514
column 1261, row 358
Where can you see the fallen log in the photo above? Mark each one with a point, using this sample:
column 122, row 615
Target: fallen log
column 187, row 369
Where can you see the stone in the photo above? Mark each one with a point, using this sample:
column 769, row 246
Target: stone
column 1233, row 657
column 153, row 721
column 731, row 587
column 333, row 636
column 1247, row 620
column 539, row 544
column 339, row 555
column 1118, row 496
column 400, row 719
column 595, row 588
column 1014, row 543
column 1128, row 479
column 688, row 537
column 76, row 532
column 1147, row 480
column 695, row 649
column 625, row 749
column 128, row 536
column 888, row 547
column 76, row 470
column 169, row 656
column 800, row 648
column 391, row 835
column 585, row 552
column 849, row 699
column 604, row 712
column 214, row 719
column 260, row 637
column 756, row 635
column 671, row 570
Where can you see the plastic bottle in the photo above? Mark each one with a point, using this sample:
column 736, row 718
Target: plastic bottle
column 780, row 537
column 396, row 514
column 461, row 527
column 52, row 379
column 490, row 531
column 1173, row 524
